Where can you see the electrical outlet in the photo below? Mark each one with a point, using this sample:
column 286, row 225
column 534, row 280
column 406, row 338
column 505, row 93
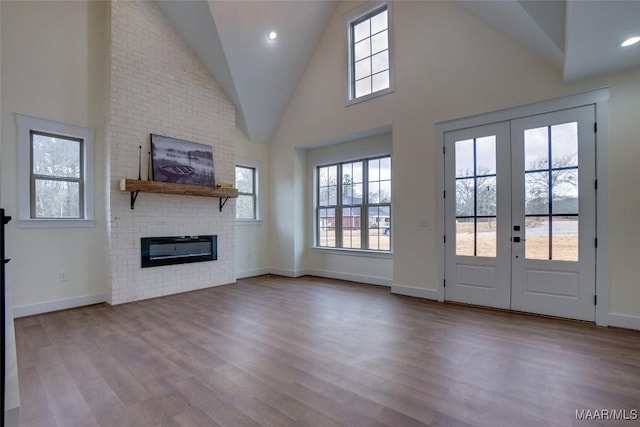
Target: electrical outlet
column 63, row 276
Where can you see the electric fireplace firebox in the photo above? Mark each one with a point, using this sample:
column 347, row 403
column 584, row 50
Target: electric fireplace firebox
column 158, row 251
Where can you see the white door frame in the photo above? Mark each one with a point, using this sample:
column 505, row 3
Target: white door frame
column 600, row 99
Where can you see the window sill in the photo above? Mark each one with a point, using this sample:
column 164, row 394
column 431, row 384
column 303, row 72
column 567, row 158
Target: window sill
column 369, row 96
column 353, row 252
column 56, row 223
column 248, row 222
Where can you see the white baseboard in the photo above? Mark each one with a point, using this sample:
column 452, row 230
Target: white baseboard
column 252, row 273
column 288, row 273
column 351, row 277
column 12, row 417
column 410, row 291
column 46, row 307
column 624, row 321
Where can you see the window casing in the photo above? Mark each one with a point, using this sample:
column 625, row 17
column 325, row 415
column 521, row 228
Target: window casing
column 247, row 185
column 55, row 176
column 353, row 205
column 370, row 60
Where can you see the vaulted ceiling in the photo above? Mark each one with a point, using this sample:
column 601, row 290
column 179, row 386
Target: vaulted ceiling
column 580, row 38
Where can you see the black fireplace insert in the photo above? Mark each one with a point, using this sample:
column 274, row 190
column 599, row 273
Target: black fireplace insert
column 169, row 250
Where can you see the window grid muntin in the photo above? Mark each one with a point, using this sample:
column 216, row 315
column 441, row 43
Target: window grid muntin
column 549, row 171
column 33, row 177
column 475, row 215
column 339, row 206
column 369, row 57
column 253, row 194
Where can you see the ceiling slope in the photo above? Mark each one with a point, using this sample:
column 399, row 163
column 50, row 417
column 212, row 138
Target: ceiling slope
column 259, row 76
column 515, row 21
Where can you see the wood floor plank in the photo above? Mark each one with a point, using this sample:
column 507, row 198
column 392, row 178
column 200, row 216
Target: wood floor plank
column 274, row 351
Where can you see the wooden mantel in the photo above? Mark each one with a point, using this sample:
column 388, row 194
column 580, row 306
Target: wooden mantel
column 135, row 186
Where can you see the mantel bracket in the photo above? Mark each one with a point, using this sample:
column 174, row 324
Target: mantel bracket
column 134, row 196
column 223, row 202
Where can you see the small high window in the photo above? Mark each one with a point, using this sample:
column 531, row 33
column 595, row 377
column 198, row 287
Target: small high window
column 369, row 54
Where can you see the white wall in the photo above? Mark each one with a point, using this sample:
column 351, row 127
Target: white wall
column 252, row 237
column 53, row 66
column 157, row 85
column 448, row 65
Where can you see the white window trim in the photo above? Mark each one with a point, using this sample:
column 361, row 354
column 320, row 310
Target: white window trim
column 26, row 124
column 257, row 166
column 351, row 16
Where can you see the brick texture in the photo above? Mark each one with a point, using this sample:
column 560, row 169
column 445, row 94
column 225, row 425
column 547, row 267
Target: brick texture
column 157, row 85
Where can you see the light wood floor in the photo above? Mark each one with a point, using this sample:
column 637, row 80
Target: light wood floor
column 271, row 351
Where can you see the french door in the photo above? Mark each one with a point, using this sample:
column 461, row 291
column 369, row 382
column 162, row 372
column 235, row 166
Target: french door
column 520, row 214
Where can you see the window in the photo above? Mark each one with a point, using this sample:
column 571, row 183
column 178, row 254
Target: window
column 369, row 54
column 353, row 209
column 56, row 173
column 246, row 183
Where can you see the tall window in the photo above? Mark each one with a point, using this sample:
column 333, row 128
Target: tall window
column 354, row 205
column 246, row 205
column 369, row 62
column 56, row 173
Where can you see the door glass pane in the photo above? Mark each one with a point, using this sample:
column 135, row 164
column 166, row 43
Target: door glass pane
column 536, row 187
column 537, row 237
column 486, row 196
column 486, row 155
column 465, row 197
column 465, row 237
column 464, row 158
column 536, row 149
column 351, row 228
column 564, row 145
column 565, row 191
column 487, row 237
column 565, row 239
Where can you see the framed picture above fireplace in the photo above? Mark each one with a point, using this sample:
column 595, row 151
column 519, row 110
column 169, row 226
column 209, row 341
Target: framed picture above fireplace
column 181, row 162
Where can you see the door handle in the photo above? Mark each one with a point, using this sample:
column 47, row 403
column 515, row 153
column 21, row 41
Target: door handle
column 518, row 240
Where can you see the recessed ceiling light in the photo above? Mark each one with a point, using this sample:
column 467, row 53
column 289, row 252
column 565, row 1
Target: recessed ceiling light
column 630, row 41
column 272, row 36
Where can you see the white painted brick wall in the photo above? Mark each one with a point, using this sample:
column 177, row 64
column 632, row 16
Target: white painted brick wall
column 157, row 85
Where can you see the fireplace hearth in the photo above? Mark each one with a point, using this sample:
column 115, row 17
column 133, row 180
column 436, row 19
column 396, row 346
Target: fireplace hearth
column 157, row 251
